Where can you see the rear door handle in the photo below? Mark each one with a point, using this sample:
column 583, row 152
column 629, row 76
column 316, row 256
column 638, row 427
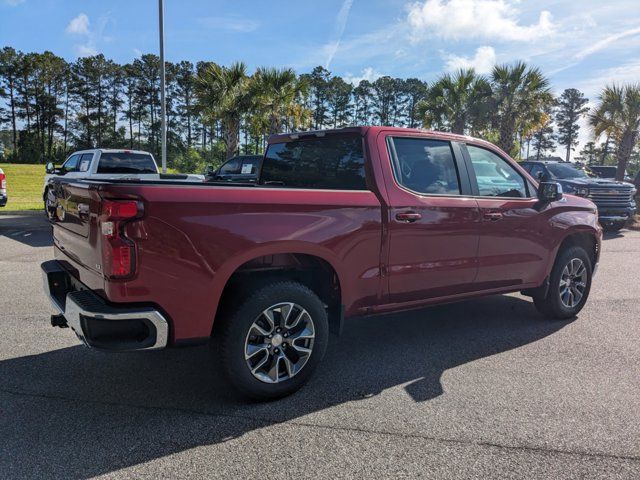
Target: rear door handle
column 408, row 217
column 493, row 216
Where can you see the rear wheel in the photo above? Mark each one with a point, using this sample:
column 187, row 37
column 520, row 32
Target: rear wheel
column 569, row 285
column 271, row 345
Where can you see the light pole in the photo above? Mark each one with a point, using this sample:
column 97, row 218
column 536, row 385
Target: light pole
column 163, row 107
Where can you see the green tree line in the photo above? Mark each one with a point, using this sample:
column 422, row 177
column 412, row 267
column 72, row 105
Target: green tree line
column 49, row 107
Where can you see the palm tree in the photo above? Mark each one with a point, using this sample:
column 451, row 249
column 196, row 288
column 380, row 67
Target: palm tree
column 455, row 101
column 519, row 92
column 276, row 92
column 618, row 116
column 223, row 95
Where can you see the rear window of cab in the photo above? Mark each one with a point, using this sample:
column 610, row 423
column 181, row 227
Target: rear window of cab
column 334, row 162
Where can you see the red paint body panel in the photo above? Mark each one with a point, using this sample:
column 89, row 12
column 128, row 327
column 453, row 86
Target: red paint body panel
column 191, row 238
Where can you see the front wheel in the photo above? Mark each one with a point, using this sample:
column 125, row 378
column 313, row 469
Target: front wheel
column 271, row 345
column 569, row 285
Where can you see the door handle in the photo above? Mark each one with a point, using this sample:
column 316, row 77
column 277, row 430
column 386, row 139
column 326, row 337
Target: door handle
column 493, row 216
column 408, row 217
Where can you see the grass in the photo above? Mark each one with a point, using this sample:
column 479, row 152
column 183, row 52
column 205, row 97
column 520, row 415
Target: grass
column 24, row 187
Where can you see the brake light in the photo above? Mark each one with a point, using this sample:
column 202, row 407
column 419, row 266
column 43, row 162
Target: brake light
column 3, row 181
column 120, row 210
column 118, row 251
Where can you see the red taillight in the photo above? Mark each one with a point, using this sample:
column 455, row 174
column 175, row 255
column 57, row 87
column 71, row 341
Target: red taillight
column 120, row 210
column 3, row 181
column 118, row 258
column 118, row 252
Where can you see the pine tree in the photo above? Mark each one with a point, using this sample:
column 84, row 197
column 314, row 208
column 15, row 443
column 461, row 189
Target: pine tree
column 572, row 106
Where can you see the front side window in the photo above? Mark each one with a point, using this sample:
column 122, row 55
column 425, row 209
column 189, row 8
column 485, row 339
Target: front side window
column 71, row 165
column 126, row 162
column 231, row 167
column 425, row 166
column 536, row 171
column 496, row 177
column 334, row 162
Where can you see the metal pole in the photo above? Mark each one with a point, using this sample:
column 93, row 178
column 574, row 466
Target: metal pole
column 162, row 89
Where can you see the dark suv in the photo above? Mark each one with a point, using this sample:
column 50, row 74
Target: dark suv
column 615, row 200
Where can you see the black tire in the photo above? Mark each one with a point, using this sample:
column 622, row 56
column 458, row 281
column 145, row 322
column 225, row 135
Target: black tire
column 614, row 226
column 232, row 332
column 551, row 304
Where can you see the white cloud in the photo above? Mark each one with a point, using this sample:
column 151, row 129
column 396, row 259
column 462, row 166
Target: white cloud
column 79, row 25
column 604, row 43
column 86, row 50
column 457, row 19
column 137, row 52
column 341, row 23
column 230, row 23
column 13, row 3
column 367, row 73
column 623, row 74
column 483, row 61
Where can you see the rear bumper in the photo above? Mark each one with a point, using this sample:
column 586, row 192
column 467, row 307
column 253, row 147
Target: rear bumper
column 100, row 325
column 3, row 200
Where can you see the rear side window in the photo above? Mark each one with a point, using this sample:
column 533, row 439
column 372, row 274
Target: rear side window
column 250, row 166
column 332, row 162
column 425, row 166
column 85, row 162
column 126, row 162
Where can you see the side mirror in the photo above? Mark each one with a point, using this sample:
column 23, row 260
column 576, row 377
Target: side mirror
column 549, row 192
column 50, row 168
column 211, row 171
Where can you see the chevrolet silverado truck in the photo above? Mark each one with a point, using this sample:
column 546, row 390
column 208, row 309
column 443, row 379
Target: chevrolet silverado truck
column 615, row 200
column 100, row 163
column 340, row 223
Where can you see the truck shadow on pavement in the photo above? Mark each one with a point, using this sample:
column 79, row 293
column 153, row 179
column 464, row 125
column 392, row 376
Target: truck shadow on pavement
column 32, row 229
column 76, row 413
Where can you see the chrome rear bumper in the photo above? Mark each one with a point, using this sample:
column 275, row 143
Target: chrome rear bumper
column 98, row 324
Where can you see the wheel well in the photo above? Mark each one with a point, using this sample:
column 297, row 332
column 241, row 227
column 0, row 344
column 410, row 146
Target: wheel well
column 585, row 240
column 314, row 272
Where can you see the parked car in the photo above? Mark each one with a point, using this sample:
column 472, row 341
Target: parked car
column 608, row 171
column 615, row 200
column 101, row 163
column 243, row 168
column 3, row 189
column 341, row 223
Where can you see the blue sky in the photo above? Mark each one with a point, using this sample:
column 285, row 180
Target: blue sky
column 579, row 43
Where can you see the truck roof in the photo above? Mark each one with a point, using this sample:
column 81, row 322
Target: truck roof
column 374, row 130
column 111, row 150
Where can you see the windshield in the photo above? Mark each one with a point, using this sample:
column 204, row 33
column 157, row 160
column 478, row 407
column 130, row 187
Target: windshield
column 126, row 162
column 560, row 170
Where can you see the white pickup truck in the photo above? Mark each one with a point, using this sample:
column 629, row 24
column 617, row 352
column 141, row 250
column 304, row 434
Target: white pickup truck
column 104, row 163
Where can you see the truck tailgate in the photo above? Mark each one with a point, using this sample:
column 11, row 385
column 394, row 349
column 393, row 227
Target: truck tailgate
column 76, row 230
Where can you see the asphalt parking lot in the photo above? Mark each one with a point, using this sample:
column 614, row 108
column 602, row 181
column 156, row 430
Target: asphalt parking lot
column 480, row 389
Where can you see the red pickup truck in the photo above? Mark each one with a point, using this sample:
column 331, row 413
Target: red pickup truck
column 340, row 223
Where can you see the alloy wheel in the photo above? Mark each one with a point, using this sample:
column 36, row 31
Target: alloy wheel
column 279, row 342
column 573, row 283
